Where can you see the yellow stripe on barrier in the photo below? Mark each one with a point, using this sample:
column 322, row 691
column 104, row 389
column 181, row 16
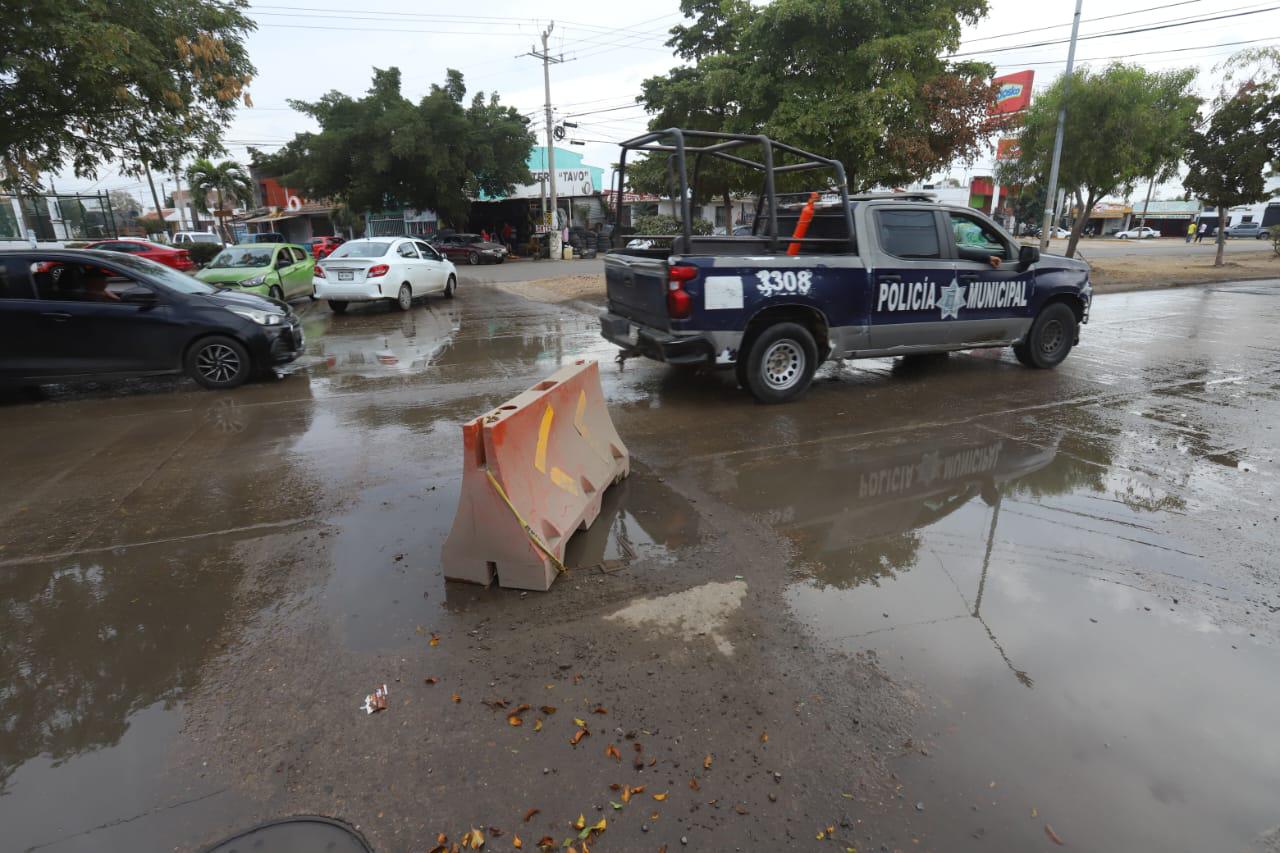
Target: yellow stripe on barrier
column 544, row 433
column 582, row 410
column 564, row 481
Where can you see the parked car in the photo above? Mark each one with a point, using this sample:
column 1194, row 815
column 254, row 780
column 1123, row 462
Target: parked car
column 70, row 314
column 322, row 247
column 1143, row 233
column 191, row 237
column 280, row 271
column 266, row 237
column 471, row 248
column 394, row 269
column 1248, row 229
column 179, row 259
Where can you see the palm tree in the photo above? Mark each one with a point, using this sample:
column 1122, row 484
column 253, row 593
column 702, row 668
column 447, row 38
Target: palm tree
column 225, row 179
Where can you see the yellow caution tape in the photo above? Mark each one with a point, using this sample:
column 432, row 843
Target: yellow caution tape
column 533, row 536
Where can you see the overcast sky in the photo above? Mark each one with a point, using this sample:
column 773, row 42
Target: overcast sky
column 304, row 48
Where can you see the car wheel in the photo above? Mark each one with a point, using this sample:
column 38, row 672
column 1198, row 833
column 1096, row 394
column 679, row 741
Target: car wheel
column 276, row 293
column 404, row 299
column 781, row 362
column 473, row 258
column 1051, row 337
column 337, row 307
column 218, row 362
column 450, row 287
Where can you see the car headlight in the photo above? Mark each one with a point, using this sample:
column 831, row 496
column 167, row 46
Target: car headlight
column 262, row 318
column 253, row 282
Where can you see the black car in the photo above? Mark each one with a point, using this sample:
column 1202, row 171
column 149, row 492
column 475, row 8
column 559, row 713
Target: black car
column 69, row 314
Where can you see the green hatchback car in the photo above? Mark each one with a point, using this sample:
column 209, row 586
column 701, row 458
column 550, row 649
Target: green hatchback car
column 280, row 270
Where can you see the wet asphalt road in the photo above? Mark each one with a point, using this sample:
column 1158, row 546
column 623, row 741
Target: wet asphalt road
column 974, row 607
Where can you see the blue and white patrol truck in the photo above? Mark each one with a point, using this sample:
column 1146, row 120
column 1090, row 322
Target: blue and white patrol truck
column 827, row 274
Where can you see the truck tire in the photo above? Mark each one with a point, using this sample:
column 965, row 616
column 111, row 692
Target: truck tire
column 1050, row 339
column 780, row 364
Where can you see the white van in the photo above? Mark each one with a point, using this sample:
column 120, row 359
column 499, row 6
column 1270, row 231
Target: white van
column 189, row 237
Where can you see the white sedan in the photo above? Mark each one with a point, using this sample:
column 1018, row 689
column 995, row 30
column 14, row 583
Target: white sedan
column 1138, row 234
column 395, row 269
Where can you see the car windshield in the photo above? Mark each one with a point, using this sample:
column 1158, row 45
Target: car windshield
column 361, row 249
column 241, row 258
column 162, row 274
column 469, row 238
column 205, row 238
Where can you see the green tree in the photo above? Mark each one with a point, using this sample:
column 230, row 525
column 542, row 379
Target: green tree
column 861, row 82
column 226, row 181
column 82, row 81
column 1124, row 123
column 1229, row 154
column 384, row 151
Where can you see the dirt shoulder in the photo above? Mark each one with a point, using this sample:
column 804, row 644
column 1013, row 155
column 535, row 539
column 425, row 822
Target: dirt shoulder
column 1110, row 275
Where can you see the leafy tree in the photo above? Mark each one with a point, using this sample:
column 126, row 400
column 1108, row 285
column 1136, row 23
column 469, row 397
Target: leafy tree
column 861, row 82
column 1229, row 154
column 1124, row 123
column 384, row 151
column 81, row 80
column 226, row 181
column 151, row 223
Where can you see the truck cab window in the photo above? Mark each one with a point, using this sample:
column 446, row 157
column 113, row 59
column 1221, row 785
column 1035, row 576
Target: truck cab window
column 977, row 241
column 909, row 233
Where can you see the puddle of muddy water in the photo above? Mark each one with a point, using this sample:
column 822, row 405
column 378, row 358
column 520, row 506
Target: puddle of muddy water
column 1062, row 626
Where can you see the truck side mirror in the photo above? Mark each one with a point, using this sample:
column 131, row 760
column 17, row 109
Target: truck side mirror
column 1028, row 255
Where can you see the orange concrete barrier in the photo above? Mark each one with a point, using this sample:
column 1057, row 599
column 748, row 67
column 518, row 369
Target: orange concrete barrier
column 534, row 471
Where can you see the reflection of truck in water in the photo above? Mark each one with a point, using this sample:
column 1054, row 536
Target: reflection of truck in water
column 870, row 501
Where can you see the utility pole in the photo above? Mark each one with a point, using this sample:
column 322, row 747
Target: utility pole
column 177, row 179
column 547, row 60
column 1057, row 141
column 155, row 198
column 1151, row 186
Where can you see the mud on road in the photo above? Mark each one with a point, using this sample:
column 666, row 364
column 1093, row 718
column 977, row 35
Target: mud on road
column 950, row 604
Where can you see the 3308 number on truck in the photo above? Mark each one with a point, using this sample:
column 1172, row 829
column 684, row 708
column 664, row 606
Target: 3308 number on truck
column 917, row 277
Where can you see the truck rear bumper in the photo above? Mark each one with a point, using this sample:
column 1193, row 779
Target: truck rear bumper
column 660, row 345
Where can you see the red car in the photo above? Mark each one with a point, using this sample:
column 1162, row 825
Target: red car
column 179, row 259
column 322, row 247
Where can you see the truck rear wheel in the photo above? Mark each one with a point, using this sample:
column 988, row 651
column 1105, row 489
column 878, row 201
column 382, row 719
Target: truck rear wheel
column 1050, row 339
column 780, row 364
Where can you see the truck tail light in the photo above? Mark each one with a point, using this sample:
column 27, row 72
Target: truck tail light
column 319, row 272
column 679, row 302
column 377, row 270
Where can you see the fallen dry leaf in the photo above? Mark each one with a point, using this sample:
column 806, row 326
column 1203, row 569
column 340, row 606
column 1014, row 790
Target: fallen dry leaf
column 442, row 839
column 520, row 709
column 601, row 825
column 579, row 722
column 473, row 839
column 515, row 721
column 528, row 816
column 821, row 835
column 1035, row 812
column 546, row 841
column 831, row 830
column 660, row 797
column 435, row 639
column 1053, row 836
column 581, row 822
column 637, row 747
column 577, row 736
column 599, row 709
column 638, row 789
column 495, row 704
column 653, row 761
column 537, row 725
column 439, row 848
column 706, row 762
column 615, row 787
column 516, row 842
column 611, row 751
column 740, row 809
column 431, row 680
column 764, row 737
column 577, row 678
column 693, row 783
column 548, row 709
column 653, row 816
column 456, row 698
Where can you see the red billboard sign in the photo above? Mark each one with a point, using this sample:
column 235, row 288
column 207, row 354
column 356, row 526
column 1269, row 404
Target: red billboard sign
column 1008, row 148
column 1014, row 92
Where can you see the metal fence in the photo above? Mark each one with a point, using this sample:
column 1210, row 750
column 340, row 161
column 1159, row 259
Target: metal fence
column 59, row 217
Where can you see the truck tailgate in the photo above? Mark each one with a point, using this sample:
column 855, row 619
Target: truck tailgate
column 637, row 288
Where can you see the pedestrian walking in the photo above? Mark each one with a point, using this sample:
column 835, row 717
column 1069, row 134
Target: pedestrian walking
column 1191, row 230
column 1204, row 226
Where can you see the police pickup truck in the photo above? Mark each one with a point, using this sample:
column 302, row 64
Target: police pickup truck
column 830, row 275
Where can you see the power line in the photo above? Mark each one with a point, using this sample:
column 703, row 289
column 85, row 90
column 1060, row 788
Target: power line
column 630, row 106
column 1082, row 20
column 1112, row 34
column 418, row 16
column 1149, row 53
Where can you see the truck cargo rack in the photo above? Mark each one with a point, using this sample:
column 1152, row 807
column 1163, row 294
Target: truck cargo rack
column 680, row 143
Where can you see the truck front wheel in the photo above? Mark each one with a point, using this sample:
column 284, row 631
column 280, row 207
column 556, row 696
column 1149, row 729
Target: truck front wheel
column 780, row 364
column 1050, row 339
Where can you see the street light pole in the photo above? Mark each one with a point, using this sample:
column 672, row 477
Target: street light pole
column 1057, row 141
column 547, row 60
